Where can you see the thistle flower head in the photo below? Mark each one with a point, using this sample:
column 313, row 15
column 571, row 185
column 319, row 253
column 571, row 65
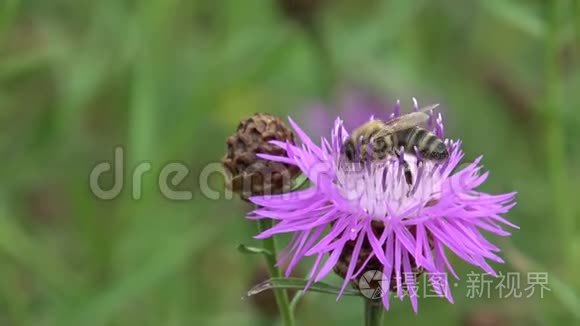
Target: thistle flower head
column 357, row 217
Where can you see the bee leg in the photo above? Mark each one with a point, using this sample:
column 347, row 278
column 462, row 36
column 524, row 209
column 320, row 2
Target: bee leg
column 408, row 178
column 407, row 170
column 408, row 175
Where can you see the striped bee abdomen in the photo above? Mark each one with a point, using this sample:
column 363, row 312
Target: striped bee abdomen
column 369, row 143
column 428, row 144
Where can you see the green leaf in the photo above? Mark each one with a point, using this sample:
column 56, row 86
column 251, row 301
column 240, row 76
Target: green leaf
column 300, row 182
column 299, row 284
column 249, row 250
column 297, row 297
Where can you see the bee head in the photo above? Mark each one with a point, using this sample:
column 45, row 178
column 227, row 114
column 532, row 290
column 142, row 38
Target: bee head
column 349, row 150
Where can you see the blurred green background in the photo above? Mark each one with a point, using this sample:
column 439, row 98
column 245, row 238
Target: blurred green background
column 169, row 80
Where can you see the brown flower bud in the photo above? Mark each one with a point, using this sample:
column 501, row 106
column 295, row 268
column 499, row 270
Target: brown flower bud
column 341, row 267
column 302, row 11
column 251, row 175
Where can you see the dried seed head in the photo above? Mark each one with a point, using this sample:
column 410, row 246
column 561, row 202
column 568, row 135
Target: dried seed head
column 251, row 175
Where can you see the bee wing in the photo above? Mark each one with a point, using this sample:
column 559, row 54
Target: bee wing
column 429, row 107
column 404, row 122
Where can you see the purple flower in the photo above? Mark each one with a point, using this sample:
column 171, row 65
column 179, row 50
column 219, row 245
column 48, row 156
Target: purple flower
column 440, row 211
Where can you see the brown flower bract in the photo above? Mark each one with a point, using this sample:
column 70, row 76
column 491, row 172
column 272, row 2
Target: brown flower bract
column 251, row 175
column 341, row 267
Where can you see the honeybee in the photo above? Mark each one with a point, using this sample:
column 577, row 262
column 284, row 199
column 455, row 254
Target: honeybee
column 377, row 139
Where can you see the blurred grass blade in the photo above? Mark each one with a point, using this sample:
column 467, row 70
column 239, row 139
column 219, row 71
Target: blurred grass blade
column 163, row 264
column 26, row 63
column 249, row 250
column 34, row 257
column 516, row 15
column 562, row 291
column 8, row 11
column 298, row 284
column 566, row 295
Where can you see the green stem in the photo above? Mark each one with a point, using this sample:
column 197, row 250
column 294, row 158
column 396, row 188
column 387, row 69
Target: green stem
column 556, row 156
column 577, row 18
column 373, row 313
column 280, row 294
